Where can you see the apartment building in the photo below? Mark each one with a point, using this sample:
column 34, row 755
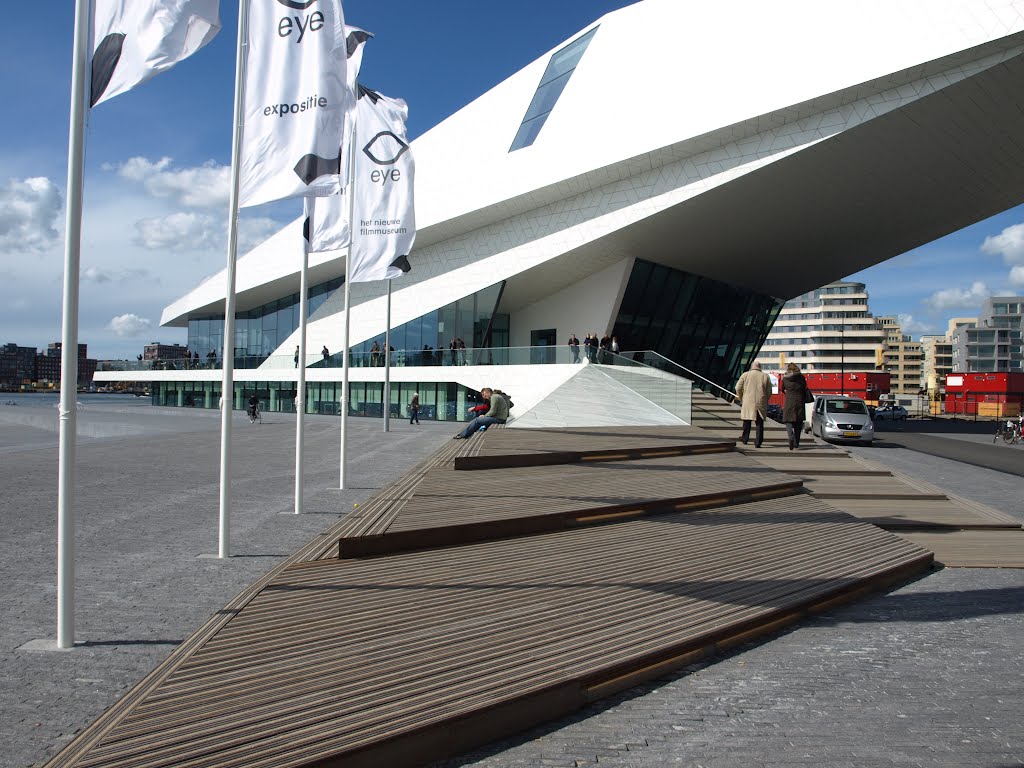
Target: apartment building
column 994, row 343
column 902, row 357
column 827, row 330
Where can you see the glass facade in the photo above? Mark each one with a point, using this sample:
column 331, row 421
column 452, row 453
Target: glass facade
column 419, row 342
column 259, row 331
column 439, row 401
column 712, row 328
column 552, row 83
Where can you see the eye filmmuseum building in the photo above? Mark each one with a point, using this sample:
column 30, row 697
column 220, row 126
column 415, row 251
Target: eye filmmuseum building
column 668, row 176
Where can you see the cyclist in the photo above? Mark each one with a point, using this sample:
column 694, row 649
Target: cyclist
column 254, row 407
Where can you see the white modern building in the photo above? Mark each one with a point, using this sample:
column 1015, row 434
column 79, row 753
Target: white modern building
column 670, row 176
column 994, row 343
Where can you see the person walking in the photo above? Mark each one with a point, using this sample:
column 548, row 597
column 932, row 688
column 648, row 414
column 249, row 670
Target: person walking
column 375, row 355
column 574, row 347
column 296, row 355
column 414, row 408
column 753, row 389
column 793, row 386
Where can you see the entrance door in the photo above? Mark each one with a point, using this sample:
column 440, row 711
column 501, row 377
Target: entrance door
column 543, row 343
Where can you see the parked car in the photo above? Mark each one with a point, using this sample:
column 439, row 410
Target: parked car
column 891, row 413
column 844, row 419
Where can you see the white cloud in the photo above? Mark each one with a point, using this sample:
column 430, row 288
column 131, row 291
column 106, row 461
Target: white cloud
column 958, row 298
column 911, row 327
column 178, row 231
column 28, row 213
column 201, row 186
column 129, row 325
column 1017, row 276
column 1009, row 244
column 197, row 231
column 100, row 275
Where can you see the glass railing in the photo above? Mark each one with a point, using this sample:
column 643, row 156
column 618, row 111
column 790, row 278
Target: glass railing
column 405, row 358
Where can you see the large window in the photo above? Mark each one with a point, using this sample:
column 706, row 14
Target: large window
column 711, row 328
column 560, row 68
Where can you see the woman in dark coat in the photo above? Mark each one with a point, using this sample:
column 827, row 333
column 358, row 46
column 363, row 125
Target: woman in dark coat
column 794, row 387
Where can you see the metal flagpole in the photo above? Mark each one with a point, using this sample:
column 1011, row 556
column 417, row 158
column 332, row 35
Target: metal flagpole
column 228, row 345
column 300, row 384
column 351, row 191
column 387, row 366
column 69, row 335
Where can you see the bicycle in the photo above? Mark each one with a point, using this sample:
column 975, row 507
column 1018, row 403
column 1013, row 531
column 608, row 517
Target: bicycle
column 255, row 414
column 1009, row 431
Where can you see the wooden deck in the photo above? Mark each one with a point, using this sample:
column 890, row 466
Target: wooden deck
column 962, row 533
column 472, row 603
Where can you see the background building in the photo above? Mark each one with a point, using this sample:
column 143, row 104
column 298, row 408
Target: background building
column 48, row 366
column 827, row 330
column 17, row 366
column 994, row 344
column 903, row 358
column 158, row 351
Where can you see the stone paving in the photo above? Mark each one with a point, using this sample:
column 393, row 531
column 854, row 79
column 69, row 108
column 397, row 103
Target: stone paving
column 146, row 510
column 926, row 675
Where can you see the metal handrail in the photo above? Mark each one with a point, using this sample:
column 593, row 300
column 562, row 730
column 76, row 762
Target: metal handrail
column 687, row 371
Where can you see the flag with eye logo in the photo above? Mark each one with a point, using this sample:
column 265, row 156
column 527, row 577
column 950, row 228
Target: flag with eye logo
column 134, row 40
column 384, row 207
column 298, row 101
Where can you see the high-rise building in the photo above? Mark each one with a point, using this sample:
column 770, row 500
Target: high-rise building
column 994, row 344
column 827, row 330
column 903, row 358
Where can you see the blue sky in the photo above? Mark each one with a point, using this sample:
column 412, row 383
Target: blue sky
column 157, row 157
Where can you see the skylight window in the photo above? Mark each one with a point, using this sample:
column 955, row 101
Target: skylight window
column 557, row 74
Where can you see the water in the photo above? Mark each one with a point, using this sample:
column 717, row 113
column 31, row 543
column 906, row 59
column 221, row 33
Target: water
column 52, row 400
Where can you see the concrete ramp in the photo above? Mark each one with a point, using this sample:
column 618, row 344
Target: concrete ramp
column 591, row 398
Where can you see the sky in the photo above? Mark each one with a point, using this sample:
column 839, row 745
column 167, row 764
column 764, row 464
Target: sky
column 157, row 169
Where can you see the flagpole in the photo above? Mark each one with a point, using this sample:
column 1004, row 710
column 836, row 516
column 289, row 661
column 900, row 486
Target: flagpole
column 351, row 191
column 69, row 334
column 300, row 384
column 228, row 346
column 387, row 365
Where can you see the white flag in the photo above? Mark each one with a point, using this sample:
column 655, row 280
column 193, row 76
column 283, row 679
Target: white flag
column 297, row 101
column 133, row 40
column 384, row 229
column 326, row 225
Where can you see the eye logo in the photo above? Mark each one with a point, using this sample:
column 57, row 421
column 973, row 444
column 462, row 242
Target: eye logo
column 297, row 5
column 385, row 148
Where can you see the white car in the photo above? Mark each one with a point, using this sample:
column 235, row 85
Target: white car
column 891, row 413
column 842, row 419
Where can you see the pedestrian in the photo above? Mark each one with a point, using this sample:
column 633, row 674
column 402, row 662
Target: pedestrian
column 604, row 345
column 211, row 358
column 793, row 386
column 453, row 352
column 375, row 355
column 462, row 350
column 497, row 413
column 614, row 345
column 753, row 389
column 414, row 408
column 325, row 353
column 574, row 347
column 296, row 355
